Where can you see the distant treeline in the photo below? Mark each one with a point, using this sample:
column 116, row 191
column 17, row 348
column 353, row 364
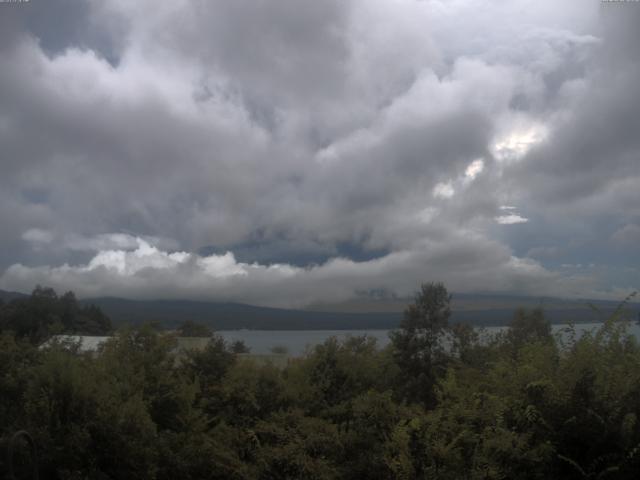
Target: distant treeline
column 44, row 313
column 170, row 314
column 522, row 404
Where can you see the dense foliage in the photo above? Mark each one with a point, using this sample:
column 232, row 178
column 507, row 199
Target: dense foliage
column 439, row 403
column 189, row 328
column 44, row 313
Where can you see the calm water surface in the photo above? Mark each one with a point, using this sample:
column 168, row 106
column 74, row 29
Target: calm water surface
column 297, row 341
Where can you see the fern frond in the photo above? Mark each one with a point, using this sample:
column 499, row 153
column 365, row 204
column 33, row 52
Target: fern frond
column 574, row 464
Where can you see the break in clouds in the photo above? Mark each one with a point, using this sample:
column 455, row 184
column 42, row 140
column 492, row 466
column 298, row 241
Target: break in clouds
column 281, row 153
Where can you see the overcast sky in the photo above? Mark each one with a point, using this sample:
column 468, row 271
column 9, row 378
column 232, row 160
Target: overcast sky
column 280, row 152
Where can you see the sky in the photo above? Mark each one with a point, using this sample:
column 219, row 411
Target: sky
column 285, row 153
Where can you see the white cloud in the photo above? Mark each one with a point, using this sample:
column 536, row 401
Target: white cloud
column 513, row 145
column 443, row 190
column 511, row 219
column 474, row 169
column 111, row 241
column 145, row 256
column 466, row 262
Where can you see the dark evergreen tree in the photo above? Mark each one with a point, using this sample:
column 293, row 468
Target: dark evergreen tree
column 418, row 344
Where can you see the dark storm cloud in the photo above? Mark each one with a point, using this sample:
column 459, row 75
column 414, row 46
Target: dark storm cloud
column 62, row 24
column 598, row 143
column 582, row 182
column 300, row 53
column 375, row 143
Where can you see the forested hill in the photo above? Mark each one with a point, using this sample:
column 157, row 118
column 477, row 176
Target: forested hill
column 229, row 316
column 8, row 296
column 475, row 310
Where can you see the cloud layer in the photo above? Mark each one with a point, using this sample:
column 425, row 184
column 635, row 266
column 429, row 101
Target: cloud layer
column 148, row 272
column 336, row 148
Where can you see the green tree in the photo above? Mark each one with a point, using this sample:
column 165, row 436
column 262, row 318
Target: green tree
column 87, row 423
column 240, row 347
column 296, row 446
column 143, row 362
column 207, row 368
column 529, row 326
column 335, row 372
column 418, row 344
column 44, row 314
column 189, row 328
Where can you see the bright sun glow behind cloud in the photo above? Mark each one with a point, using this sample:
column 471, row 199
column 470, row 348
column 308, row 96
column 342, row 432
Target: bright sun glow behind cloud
column 515, row 145
column 474, row 169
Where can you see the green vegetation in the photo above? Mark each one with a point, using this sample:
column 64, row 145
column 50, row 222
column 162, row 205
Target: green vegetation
column 239, row 346
column 279, row 350
column 189, row 328
column 522, row 405
column 44, row 313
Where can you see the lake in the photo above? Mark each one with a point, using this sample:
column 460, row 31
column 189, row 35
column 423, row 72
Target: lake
column 296, row 341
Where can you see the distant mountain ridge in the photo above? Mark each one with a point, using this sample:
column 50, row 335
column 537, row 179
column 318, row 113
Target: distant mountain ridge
column 465, row 302
column 360, row 314
column 8, row 296
column 231, row 316
column 473, row 309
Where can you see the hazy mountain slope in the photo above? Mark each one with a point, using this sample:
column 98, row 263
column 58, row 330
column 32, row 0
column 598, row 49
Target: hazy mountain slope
column 233, row 315
column 474, row 309
column 466, row 302
column 8, row 296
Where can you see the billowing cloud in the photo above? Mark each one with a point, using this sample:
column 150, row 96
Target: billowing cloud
column 348, row 136
column 148, row 272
